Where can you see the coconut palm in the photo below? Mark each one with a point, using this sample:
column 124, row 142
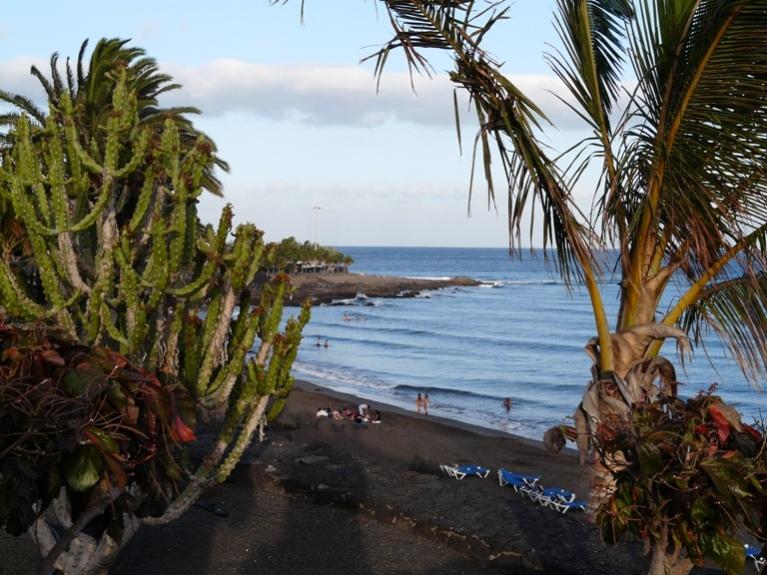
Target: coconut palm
column 90, row 87
column 682, row 193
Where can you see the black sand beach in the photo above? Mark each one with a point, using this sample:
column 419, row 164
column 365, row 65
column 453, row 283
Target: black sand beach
column 329, row 497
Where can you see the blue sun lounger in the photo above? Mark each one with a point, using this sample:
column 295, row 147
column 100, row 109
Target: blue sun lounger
column 755, row 553
column 556, row 498
column 461, row 471
column 565, row 506
column 550, row 496
column 518, row 481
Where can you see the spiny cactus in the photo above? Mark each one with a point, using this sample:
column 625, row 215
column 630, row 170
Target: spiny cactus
column 123, row 261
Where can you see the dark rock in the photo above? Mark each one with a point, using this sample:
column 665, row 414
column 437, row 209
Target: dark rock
column 311, row 459
column 420, row 465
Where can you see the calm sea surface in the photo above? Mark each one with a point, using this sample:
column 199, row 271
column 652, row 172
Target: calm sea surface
column 521, row 335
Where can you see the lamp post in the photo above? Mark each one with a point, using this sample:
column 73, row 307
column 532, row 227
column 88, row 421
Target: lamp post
column 316, row 223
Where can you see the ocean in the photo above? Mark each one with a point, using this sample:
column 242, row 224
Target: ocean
column 519, row 335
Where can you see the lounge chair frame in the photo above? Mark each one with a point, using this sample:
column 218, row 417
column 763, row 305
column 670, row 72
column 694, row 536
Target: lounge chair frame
column 755, row 553
column 461, row 471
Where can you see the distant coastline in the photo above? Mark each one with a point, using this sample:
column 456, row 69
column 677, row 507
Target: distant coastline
column 324, row 288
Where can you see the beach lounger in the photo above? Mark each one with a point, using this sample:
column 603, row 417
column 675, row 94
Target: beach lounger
column 755, row 553
column 449, row 470
column 461, row 471
column 565, row 506
column 516, row 480
column 551, row 496
column 477, row 470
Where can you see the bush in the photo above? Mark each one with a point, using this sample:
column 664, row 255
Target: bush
column 689, row 475
column 86, row 421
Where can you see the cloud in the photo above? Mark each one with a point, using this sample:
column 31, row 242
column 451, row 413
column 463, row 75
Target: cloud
column 408, row 214
column 16, row 79
column 338, row 95
column 314, row 95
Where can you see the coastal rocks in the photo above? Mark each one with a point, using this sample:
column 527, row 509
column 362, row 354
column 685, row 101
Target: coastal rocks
column 311, row 459
column 359, row 289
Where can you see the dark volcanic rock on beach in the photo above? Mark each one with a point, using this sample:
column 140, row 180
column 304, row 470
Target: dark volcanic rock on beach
column 325, row 288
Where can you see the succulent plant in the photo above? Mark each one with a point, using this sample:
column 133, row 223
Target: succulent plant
column 103, row 241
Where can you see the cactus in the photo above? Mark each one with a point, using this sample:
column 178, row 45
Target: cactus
column 111, row 221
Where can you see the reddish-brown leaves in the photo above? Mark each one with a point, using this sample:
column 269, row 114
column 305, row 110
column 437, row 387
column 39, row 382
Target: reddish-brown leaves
column 720, row 421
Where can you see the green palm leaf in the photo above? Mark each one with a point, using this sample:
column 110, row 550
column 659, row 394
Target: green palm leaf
column 507, row 117
column 703, row 107
column 91, row 91
column 736, row 311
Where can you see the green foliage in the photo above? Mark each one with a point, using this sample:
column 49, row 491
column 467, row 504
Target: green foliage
column 690, row 470
column 85, row 420
column 103, row 241
column 90, row 87
column 288, row 252
column 118, row 250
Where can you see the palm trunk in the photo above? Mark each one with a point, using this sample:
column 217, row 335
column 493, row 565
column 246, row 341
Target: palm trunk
column 664, row 563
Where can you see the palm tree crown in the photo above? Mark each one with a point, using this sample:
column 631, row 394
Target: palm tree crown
column 91, row 85
column 682, row 155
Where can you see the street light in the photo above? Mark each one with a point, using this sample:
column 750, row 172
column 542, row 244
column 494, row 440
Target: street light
column 316, row 223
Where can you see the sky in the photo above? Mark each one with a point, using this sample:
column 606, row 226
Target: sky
column 316, row 152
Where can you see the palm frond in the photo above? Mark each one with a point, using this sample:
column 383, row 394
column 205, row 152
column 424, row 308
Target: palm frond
column 736, row 311
column 25, row 104
column 50, row 91
column 701, row 142
column 92, row 90
column 507, row 118
column 71, row 86
column 58, row 84
column 80, row 67
column 593, row 33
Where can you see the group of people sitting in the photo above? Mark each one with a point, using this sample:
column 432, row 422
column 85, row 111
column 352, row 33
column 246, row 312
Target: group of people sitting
column 363, row 415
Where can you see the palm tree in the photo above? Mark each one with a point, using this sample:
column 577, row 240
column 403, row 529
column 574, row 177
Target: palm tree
column 682, row 193
column 91, row 87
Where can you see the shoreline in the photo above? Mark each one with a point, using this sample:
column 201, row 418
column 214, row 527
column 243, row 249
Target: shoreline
column 456, row 424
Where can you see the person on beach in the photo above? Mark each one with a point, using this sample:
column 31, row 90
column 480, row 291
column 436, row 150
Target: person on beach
column 327, row 344
column 507, row 404
column 418, row 404
column 425, row 403
column 319, row 343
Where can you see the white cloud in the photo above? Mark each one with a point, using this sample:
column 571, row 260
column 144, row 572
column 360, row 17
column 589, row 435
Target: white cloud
column 337, row 95
column 412, row 214
column 16, row 78
column 312, row 95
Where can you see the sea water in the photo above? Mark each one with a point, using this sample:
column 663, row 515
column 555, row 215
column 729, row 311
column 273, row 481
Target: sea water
column 520, row 335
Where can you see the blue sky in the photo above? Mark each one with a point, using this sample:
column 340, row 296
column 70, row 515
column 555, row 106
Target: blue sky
column 298, row 117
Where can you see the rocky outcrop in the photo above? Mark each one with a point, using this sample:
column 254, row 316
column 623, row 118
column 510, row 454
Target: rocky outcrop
column 326, row 288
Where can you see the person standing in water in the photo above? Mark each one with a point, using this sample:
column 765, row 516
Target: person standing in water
column 425, row 403
column 418, row 404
